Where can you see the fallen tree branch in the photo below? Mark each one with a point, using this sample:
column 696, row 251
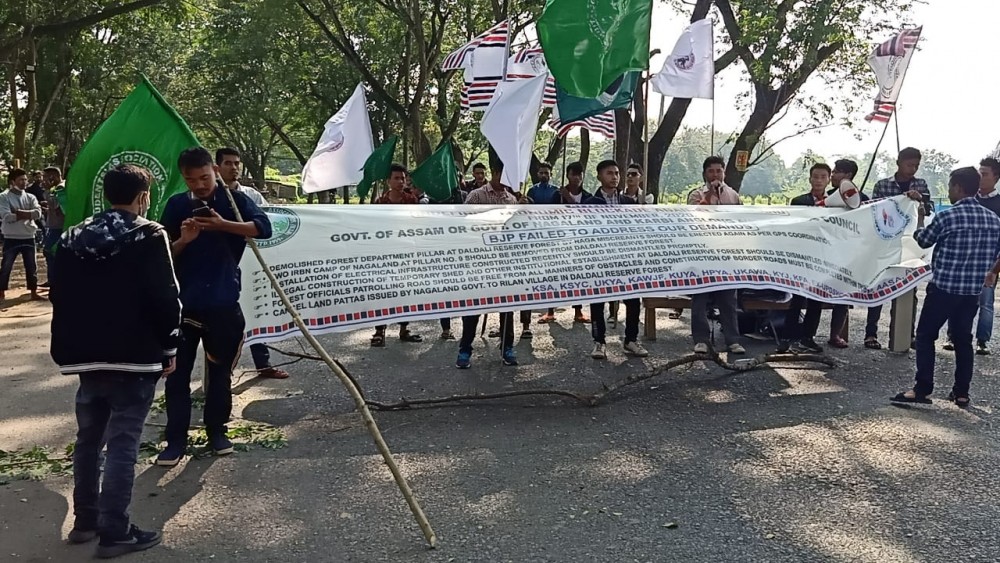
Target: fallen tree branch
column 590, row 398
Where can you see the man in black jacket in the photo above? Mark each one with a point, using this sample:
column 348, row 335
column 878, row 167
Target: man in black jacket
column 115, row 323
column 208, row 243
column 608, row 194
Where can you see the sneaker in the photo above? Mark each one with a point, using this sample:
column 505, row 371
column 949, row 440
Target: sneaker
column 219, row 443
column 701, row 348
column 526, row 334
column 737, row 349
column 809, row 345
column 464, row 360
column 635, row 349
column 599, row 353
column 171, row 455
column 509, row 357
column 447, row 335
column 784, row 346
column 80, row 535
column 981, row 349
column 949, row 346
column 134, row 540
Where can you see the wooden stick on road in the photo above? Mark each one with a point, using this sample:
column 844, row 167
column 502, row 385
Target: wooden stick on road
column 352, row 389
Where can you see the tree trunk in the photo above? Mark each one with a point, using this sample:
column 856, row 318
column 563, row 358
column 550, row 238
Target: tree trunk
column 584, row 147
column 763, row 112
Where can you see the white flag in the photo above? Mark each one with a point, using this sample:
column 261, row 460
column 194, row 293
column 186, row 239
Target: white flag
column 889, row 62
column 689, row 72
column 343, row 148
column 510, row 124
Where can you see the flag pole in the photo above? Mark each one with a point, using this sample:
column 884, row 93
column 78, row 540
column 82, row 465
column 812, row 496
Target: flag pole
column 645, row 134
column 875, row 154
column 352, row 389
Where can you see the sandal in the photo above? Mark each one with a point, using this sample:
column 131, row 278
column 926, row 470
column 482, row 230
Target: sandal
column 546, row 319
column 904, row 398
column 581, row 319
column 447, row 335
column 407, row 336
column 838, row 342
column 272, row 373
column 960, row 402
column 378, row 340
column 872, row 343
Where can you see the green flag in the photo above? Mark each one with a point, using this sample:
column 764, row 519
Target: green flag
column 588, row 44
column 437, row 175
column 619, row 95
column 377, row 166
column 144, row 131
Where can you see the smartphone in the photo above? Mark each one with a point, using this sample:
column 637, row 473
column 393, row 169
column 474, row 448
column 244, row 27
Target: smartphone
column 202, row 211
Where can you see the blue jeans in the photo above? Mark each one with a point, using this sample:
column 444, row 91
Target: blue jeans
column 51, row 238
column 12, row 248
column 958, row 311
column 111, row 408
column 984, row 327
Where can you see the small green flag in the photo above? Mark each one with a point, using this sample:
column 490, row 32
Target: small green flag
column 588, row 44
column 144, row 131
column 437, row 175
column 619, row 95
column 377, row 166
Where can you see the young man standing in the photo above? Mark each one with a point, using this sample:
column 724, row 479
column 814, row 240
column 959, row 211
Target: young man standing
column 608, row 194
column 55, row 217
column 715, row 192
column 396, row 195
column 633, row 183
column 478, row 178
column 570, row 194
column 543, row 192
column 208, row 243
column 801, row 337
column 230, row 166
column 19, row 212
column 842, row 170
column 966, row 241
column 988, row 197
column 493, row 193
column 903, row 182
column 116, row 325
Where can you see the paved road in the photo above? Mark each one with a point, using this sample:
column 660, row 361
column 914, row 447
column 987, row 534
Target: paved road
column 785, row 464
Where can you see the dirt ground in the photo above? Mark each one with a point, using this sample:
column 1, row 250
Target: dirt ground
column 789, row 463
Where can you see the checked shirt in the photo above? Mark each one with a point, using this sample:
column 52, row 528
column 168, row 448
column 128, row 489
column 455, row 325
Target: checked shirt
column 966, row 240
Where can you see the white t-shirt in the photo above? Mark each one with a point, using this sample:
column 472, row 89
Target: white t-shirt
column 251, row 193
column 577, row 198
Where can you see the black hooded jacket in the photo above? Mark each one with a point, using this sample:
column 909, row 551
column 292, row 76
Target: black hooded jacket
column 114, row 296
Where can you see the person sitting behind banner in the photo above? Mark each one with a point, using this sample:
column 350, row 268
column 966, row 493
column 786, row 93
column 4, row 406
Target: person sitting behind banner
column 633, row 185
column 715, row 192
column 800, row 335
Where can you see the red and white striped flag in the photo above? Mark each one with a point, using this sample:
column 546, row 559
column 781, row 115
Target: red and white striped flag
column 889, row 62
column 602, row 124
column 462, row 57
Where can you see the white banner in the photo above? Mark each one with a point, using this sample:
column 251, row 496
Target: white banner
column 348, row 267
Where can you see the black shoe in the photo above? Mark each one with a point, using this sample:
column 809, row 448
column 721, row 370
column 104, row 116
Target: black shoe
column 981, row 349
column 220, row 444
column 784, row 346
column 81, row 535
column 134, row 540
column 809, row 345
column 949, row 346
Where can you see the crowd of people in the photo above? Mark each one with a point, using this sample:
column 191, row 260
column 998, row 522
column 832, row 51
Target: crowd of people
column 175, row 285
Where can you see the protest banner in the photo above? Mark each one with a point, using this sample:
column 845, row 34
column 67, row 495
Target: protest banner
column 351, row 267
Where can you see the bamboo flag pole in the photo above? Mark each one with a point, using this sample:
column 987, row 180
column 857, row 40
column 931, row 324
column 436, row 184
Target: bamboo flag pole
column 359, row 401
column 645, row 135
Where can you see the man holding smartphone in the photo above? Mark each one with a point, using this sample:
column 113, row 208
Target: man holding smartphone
column 208, row 243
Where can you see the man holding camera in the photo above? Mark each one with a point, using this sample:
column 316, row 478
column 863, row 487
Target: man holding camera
column 208, row 243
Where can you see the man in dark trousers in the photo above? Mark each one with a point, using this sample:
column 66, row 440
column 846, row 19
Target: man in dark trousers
column 116, row 324
column 966, row 241
column 608, row 194
column 843, row 169
column 208, row 243
column 800, row 337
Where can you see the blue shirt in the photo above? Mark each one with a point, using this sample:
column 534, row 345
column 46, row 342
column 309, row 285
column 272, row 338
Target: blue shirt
column 208, row 270
column 967, row 239
column 543, row 194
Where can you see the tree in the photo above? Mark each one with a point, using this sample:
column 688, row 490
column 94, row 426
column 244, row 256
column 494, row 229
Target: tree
column 784, row 44
column 25, row 26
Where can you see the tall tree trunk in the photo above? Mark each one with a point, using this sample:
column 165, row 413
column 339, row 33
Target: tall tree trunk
column 584, row 147
column 763, row 112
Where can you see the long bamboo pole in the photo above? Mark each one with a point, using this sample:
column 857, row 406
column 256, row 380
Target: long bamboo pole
column 359, row 401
